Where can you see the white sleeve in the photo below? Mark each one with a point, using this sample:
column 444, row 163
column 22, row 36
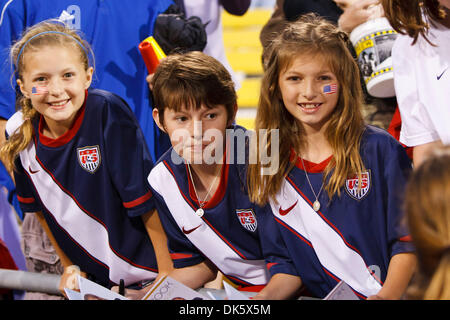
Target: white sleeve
column 14, row 123
column 417, row 127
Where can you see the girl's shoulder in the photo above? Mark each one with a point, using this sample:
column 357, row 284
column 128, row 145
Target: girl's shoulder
column 378, row 142
column 376, row 136
column 106, row 99
column 170, row 157
column 168, row 168
column 405, row 51
column 107, row 103
column 169, row 163
column 402, row 45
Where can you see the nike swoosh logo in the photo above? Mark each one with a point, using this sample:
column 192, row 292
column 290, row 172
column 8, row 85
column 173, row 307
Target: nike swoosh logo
column 439, row 76
column 31, row 171
column 190, row 230
column 286, row 211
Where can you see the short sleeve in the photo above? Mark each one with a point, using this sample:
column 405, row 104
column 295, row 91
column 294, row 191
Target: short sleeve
column 274, row 250
column 25, row 190
column 396, row 173
column 417, row 127
column 127, row 157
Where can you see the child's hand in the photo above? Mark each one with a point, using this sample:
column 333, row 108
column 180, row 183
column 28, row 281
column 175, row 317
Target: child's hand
column 69, row 279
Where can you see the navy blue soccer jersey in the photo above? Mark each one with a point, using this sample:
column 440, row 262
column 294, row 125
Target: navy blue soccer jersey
column 240, row 238
column 91, row 186
column 354, row 236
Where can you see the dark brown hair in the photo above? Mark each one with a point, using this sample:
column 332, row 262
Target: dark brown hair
column 192, row 79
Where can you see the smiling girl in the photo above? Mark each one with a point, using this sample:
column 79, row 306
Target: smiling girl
column 80, row 162
column 337, row 195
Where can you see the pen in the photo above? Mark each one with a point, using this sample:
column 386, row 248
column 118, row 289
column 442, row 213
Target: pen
column 122, row 287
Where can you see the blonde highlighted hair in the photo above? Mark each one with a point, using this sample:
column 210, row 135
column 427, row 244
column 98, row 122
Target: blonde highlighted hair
column 46, row 33
column 427, row 207
column 310, row 35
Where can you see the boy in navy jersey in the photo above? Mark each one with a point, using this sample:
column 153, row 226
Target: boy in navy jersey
column 80, row 161
column 199, row 186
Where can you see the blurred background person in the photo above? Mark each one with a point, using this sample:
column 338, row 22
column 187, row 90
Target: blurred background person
column 421, row 57
column 427, row 204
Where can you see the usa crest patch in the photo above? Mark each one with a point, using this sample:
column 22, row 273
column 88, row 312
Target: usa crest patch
column 89, row 158
column 351, row 186
column 247, row 218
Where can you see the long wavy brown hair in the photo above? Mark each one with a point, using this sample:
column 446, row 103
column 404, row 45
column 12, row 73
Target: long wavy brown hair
column 20, row 139
column 411, row 16
column 427, row 206
column 310, row 35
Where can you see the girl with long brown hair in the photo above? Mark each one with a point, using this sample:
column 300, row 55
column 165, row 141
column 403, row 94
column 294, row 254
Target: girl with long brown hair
column 336, row 193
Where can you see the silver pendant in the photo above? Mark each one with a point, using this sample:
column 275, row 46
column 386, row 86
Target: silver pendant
column 200, row 212
column 316, row 205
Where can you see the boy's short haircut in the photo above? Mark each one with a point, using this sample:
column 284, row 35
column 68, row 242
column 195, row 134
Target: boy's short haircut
column 190, row 80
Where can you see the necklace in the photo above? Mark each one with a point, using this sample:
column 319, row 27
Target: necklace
column 316, row 204
column 201, row 204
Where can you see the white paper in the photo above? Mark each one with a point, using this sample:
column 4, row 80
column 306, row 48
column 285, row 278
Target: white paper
column 233, row 294
column 341, row 292
column 212, row 296
column 73, row 295
column 91, row 290
column 170, row 289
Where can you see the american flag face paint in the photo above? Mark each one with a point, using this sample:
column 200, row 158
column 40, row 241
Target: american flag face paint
column 330, row 88
column 39, row 90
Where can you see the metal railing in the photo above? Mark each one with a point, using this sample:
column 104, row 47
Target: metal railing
column 49, row 283
column 30, row 281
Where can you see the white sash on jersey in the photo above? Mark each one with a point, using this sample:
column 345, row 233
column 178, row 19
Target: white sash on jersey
column 203, row 237
column 86, row 231
column 329, row 246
